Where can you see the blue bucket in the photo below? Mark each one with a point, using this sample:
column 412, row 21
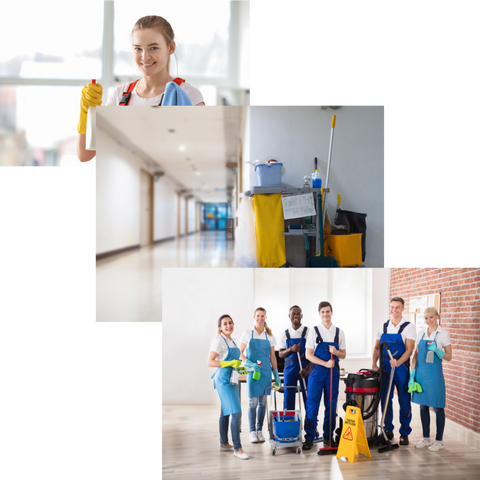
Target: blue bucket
column 287, row 430
column 269, row 175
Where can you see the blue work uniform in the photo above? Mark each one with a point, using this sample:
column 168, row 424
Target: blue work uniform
column 229, row 395
column 318, row 383
column 291, row 371
column 400, row 380
column 430, row 377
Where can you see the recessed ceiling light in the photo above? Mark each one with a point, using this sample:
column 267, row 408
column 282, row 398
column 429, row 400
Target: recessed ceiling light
column 182, row 148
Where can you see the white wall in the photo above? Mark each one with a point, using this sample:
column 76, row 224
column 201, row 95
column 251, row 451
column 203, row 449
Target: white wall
column 194, row 299
column 118, row 198
column 295, row 135
column 191, row 215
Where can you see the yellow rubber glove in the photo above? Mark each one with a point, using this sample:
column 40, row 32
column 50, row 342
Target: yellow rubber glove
column 231, row 363
column 91, row 97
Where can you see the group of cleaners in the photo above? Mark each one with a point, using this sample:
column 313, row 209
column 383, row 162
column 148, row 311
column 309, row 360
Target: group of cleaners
column 311, row 355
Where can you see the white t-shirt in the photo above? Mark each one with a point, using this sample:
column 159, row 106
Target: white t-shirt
column 410, row 332
column 443, row 337
column 218, row 345
column 327, row 336
column 136, row 101
column 282, row 343
column 247, row 336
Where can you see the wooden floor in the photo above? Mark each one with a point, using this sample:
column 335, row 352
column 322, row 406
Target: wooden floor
column 191, row 451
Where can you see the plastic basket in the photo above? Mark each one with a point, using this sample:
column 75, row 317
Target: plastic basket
column 269, row 174
column 346, row 249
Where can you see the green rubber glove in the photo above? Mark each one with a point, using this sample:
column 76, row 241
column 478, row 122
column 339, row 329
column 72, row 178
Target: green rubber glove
column 412, row 378
column 231, row 363
column 91, row 97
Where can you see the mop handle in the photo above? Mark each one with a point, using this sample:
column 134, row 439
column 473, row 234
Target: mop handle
column 301, row 365
column 328, row 167
column 388, row 394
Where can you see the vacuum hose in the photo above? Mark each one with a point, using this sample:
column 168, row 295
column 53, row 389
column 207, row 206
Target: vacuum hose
column 374, row 406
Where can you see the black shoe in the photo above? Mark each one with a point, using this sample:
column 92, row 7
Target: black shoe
column 390, row 435
column 404, row 440
column 307, row 445
column 326, row 442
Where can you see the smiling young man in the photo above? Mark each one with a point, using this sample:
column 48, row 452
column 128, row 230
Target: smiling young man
column 400, row 336
column 293, row 341
column 325, row 347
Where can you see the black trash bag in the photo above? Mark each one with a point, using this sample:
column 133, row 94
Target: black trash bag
column 356, row 223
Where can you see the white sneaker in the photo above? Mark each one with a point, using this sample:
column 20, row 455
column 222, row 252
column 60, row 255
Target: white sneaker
column 260, row 436
column 241, row 456
column 424, row 442
column 435, row 446
column 253, row 437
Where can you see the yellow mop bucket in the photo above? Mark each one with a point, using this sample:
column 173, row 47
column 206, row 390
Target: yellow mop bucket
column 346, row 249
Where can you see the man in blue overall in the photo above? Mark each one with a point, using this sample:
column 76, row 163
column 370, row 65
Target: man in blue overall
column 325, row 346
column 400, row 336
column 292, row 342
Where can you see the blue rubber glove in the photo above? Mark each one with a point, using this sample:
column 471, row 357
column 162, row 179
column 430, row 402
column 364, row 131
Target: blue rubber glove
column 440, row 353
column 249, row 364
column 412, row 378
column 277, row 378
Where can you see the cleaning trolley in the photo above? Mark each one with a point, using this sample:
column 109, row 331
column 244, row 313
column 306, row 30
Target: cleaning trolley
column 285, row 427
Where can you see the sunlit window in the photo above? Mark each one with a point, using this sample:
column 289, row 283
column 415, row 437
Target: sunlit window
column 201, row 32
column 41, row 44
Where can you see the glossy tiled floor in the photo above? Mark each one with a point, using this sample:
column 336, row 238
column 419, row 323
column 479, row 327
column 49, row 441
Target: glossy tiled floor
column 129, row 284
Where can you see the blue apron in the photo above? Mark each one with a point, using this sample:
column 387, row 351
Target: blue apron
column 291, row 371
column 259, row 350
column 318, row 382
column 430, row 377
column 229, row 396
column 400, row 380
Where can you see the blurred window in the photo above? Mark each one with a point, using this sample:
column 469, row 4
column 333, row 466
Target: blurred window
column 47, row 48
column 201, row 34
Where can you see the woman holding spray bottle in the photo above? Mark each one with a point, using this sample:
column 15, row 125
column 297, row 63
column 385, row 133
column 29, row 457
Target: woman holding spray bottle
column 426, row 377
column 153, row 44
column 257, row 348
column 225, row 355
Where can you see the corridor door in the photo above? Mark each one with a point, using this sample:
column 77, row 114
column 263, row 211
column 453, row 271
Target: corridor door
column 146, row 208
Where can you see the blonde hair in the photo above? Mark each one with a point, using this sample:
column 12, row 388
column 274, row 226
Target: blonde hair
column 160, row 24
column 269, row 332
column 431, row 311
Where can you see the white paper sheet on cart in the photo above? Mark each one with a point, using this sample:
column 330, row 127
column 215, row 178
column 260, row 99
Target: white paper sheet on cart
column 298, row 206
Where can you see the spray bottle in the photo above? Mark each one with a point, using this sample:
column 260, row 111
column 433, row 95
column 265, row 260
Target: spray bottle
column 90, row 143
column 316, row 179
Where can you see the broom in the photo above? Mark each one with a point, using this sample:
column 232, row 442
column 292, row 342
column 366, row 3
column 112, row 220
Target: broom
column 329, row 450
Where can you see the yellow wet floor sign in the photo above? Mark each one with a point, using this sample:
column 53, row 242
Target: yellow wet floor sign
column 353, row 439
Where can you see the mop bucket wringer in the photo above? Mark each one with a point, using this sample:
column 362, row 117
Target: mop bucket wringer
column 285, row 427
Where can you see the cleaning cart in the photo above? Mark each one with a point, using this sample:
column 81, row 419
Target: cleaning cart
column 285, row 427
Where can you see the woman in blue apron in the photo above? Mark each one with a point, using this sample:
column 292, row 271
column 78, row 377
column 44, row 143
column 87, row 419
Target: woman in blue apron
column 225, row 355
column 258, row 345
column 426, row 377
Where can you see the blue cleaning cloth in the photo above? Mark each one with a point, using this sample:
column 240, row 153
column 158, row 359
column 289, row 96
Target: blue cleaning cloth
column 174, row 95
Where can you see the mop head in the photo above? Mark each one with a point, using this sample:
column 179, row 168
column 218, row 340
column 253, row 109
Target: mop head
column 328, row 451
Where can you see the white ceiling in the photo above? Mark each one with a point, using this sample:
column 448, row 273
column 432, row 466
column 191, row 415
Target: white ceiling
column 210, row 135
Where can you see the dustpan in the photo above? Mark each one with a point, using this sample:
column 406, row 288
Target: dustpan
column 321, row 261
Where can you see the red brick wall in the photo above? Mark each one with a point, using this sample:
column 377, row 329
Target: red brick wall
column 460, row 316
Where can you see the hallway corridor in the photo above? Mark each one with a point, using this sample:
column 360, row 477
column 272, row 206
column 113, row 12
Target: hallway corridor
column 129, row 284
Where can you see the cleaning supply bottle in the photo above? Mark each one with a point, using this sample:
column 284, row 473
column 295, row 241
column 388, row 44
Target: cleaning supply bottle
column 430, row 354
column 316, row 179
column 90, row 141
column 256, row 375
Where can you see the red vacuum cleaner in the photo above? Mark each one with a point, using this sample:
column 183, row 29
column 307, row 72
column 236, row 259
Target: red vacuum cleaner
column 333, row 447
